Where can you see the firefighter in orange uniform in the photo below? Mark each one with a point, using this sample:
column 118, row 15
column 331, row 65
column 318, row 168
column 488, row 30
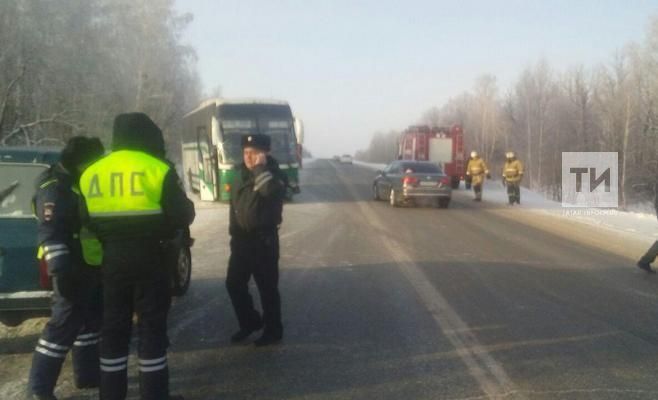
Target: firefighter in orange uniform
column 477, row 170
column 512, row 175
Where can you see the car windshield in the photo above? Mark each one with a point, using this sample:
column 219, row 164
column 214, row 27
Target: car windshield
column 17, row 188
column 421, row 168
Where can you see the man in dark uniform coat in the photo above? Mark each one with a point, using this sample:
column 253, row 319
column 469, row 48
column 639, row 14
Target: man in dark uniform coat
column 255, row 215
column 75, row 272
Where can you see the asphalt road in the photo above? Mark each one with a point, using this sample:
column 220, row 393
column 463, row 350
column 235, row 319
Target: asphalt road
column 477, row 301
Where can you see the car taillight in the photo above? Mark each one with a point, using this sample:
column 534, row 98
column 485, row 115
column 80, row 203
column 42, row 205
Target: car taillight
column 445, row 180
column 227, row 187
column 409, row 180
column 44, row 279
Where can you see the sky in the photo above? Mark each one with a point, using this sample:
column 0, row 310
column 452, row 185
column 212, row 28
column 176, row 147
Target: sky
column 353, row 68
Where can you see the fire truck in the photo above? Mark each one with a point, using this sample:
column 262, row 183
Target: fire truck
column 441, row 145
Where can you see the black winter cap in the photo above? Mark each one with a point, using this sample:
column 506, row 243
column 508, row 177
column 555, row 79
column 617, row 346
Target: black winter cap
column 80, row 150
column 257, row 141
column 136, row 131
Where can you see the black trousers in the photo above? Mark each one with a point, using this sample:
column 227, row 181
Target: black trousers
column 135, row 281
column 477, row 189
column 74, row 325
column 514, row 192
column 257, row 256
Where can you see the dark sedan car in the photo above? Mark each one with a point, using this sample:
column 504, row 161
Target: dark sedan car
column 410, row 182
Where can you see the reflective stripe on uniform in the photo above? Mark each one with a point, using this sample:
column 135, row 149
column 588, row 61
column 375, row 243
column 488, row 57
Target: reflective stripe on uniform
column 114, row 364
column 53, row 345
column 82, row 343
column 50, row 256
column 88, row 335
column 49, row 353
column 262, row 179
column 153, row 361
column 110, row 361
column 114, row 369
column 152, row 365
column 47, row 183
column 53, row 247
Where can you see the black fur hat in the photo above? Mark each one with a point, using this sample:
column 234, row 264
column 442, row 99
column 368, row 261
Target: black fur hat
column 257, row 141
column 80, row 150
column 136, row 131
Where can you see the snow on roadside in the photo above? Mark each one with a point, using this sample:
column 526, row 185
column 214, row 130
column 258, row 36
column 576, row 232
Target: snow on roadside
column 640, row 225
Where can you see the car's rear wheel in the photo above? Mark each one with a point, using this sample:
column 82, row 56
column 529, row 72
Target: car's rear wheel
column 454, row 182
column 444, row 203
column 182, row 273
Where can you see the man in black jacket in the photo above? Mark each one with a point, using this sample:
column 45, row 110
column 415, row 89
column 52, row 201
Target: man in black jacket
column 73, row 263
column 255, row 215
column 650, row 256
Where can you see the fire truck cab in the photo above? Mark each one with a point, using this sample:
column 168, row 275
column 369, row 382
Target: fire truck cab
column 441, row 145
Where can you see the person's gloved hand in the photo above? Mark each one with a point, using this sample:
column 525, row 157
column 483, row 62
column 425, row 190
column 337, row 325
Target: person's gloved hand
column 504, row 181
column 488, row 176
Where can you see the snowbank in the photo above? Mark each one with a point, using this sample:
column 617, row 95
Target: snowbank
column 639, row 225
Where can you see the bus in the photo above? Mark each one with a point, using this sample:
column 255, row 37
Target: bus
column 211, row 147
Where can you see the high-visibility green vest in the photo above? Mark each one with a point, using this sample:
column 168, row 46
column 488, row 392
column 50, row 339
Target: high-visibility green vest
column 124, row 183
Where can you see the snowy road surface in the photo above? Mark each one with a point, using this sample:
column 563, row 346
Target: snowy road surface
column 479, row 301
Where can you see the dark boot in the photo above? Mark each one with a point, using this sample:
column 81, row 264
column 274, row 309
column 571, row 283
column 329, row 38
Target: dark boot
column 268, row 338
column 244, row 333
column 645, row 266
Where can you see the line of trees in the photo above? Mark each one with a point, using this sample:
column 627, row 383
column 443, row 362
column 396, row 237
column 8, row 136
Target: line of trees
column 612, row 107
column 67, row 67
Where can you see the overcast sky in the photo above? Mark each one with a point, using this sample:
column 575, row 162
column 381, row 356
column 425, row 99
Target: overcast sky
column 351, row 68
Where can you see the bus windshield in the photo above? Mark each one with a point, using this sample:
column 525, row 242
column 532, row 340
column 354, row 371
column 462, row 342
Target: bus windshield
column 280, row 131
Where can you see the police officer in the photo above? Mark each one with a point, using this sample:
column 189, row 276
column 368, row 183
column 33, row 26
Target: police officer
column 73, row 259
column 477, row 170
column 512, row 175
column 255, row 215
column 134, row 200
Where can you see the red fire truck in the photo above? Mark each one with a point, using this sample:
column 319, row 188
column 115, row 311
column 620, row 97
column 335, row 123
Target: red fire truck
column 441, row 145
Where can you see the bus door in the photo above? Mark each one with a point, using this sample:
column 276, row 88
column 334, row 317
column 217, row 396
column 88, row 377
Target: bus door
column 207, row 159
